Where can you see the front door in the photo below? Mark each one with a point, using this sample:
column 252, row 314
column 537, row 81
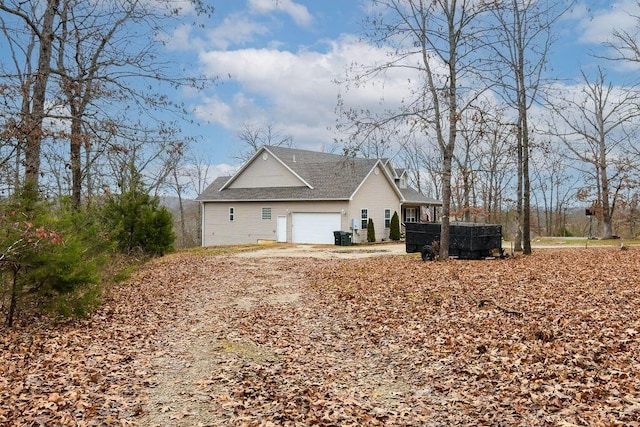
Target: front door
column 281, row 229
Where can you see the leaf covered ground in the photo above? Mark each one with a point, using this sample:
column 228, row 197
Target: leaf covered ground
column 549, row 339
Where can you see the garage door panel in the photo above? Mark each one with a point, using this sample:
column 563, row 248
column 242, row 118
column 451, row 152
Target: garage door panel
column 315, row 227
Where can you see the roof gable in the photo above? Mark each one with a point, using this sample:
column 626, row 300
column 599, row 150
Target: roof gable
column 265, row 170
column 379, row 167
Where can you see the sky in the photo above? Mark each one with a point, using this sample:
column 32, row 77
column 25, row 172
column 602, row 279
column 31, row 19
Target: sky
column 277, row 63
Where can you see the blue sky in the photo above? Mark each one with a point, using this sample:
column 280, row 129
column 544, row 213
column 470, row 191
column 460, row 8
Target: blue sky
column 277, row 61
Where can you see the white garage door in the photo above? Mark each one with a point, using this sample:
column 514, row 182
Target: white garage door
column 314, row 227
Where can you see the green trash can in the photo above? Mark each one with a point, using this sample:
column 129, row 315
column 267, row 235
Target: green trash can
column 346, row 238
column 342, row 238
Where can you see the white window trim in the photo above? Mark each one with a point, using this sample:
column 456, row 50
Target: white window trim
column 387, row 220
column 364, row 218
column 414, row 218
column 232, row 214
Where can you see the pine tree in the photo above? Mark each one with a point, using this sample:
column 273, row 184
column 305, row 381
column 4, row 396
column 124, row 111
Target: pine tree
column 394, row 227
column 138, row 223
column 371, row 231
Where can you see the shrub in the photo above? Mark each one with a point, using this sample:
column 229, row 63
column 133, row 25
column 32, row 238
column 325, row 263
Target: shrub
column 138, row 223
column 371, row 232
column 53, row 257
column 394, row 227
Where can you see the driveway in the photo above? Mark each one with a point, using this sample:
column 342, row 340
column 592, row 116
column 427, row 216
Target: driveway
column 326, row 251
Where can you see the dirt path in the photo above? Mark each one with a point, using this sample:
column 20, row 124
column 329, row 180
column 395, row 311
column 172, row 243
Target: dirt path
column 185, row 391
column 205, row 349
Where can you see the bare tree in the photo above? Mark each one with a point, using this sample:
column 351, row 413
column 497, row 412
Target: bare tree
column 40, row 23
column 495, row 164
column 198, row 172
column 96, row 65
column 437, row 41
column 521, row 44
column 422, row 165
column 555, row 186
column 624, row 46
column 94, row 55
column 473, row 128
column 599, row 124
column 253, row 137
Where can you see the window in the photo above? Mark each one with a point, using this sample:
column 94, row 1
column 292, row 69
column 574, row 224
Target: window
column 266, row 213
column 387, row 218
column 410, row 215
column 232, row 214
column 364, row 218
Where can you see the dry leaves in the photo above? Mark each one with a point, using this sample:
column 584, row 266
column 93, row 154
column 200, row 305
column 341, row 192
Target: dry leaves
column 378, row 341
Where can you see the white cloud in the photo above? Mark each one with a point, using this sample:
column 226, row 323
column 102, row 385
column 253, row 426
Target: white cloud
column 297, row 92
column 235, row 30
column 182, row 39
column 214, row 110
column 299, row 13
column 599, row 25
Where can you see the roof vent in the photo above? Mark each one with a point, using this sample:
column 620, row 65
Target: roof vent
column 294, row 158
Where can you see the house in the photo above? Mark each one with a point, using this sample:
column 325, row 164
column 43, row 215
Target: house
column 300, row 196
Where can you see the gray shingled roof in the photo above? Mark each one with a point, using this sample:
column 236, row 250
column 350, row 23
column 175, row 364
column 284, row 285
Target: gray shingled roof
column 332, row 176
column 413, row 196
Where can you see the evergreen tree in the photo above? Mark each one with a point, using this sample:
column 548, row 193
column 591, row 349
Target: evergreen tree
column 371, row 231
column 51, row 255
column 138, row 223
column 394, row 227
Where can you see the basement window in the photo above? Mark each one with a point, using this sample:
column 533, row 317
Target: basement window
column 266, row 213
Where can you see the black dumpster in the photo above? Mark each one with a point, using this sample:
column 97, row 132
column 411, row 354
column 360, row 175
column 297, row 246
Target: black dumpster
column 466, row 240
column 342, row 238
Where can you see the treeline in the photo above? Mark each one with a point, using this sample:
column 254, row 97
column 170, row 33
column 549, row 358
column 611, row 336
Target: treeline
column 88, row 138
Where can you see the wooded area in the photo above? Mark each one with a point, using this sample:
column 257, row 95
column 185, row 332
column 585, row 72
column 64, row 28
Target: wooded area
column 85, row 144
column 99, row 329
column 487, row 127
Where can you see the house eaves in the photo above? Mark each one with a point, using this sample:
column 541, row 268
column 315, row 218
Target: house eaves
column 212, row 194
column 411, row 196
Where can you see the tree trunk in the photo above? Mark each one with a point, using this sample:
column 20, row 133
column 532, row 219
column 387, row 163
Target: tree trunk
column 75, row 147
column 183, row 225
column 14, row 298
column 526, row 184
column 446, row 204
column 36, row 118
column 517, row 243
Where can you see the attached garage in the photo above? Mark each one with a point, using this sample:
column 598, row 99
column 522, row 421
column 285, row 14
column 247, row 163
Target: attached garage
column 316, row 228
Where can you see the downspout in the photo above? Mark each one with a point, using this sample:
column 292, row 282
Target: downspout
column 202, row 224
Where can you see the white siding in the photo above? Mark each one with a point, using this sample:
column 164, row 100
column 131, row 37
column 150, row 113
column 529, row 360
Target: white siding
column 266, row 173
column 248, row 227
column 376, row 194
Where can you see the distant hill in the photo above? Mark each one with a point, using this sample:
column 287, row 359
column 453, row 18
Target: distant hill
column 173, row 203
column 191, row 219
